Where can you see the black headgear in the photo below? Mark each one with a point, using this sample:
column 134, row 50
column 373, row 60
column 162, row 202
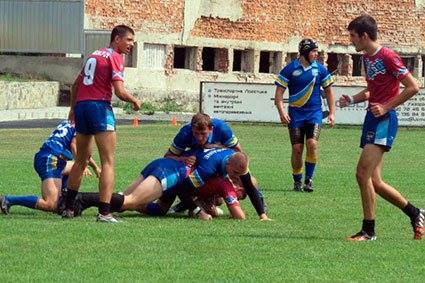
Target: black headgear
column 305, row 46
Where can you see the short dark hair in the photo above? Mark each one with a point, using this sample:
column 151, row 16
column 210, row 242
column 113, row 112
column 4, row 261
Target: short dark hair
column 120, row 31
column 364, row 24
column 201, row 121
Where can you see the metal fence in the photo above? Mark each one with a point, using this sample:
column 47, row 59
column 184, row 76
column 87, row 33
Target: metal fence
column 42, row 26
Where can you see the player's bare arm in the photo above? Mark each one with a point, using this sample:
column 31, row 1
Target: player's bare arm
column 74, row 89
column 188, row 160
column 236, row 212
column 346, row 100
column 410, row 89
column 278, row 100
column 122, row 94
column 330, row 98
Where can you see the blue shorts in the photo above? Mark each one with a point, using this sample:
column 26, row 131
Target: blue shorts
column 169, row 172
column 92, row 117
column 48, row 165
column 379, row 130
column 301, row 117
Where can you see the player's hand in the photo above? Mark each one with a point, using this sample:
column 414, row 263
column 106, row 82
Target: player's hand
column 204, row 216
column 284, row 118
column 136, row 104
column 189, row 160
column 264, row 217
column 87, row 172
column 97, row 172
column 344, row 101
column 378, row 109
column 331, row 120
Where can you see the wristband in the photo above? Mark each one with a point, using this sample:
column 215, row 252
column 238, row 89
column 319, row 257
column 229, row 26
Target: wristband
column 351, row 100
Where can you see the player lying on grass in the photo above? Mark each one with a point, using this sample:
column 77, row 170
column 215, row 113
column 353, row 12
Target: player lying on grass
column 212, row 194
column 52, row 164
column 166, row 174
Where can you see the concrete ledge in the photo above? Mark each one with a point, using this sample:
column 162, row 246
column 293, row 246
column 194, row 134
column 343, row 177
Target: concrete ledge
column 62, row 113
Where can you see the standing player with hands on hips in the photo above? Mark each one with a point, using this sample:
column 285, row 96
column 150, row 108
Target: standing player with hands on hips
column 91, row 109
column 384, row 72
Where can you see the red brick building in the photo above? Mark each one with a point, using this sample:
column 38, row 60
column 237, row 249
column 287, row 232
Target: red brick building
column 183, row 42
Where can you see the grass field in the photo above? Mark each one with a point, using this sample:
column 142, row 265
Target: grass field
column 304, row 242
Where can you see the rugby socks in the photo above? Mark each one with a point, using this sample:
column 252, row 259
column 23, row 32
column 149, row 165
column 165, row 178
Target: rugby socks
column 104, row 208
column 89, row 200
column 369, row 227
column 70, row 199
column 411, row 211
column 117, row 201
column 310, row 164
column 27, row 201
column 64, row 183
column 297, row 174
column 154, row 209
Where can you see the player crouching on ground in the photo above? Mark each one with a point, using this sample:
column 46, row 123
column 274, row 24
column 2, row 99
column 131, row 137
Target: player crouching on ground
column 215, row 191
column 166, row 174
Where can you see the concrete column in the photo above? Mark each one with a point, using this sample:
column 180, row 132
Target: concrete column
column 345, row 65
column 284, row 56
column 417, row 72
column 230, row 57
column 222, row 60
column 256, row 61
column 323, row 58
column 197, row 58
column 169, row 59
column 279, row 61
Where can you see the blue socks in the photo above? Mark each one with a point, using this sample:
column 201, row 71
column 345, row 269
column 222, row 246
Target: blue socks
column 27, row 201
column 309, row 170
column 153, row 209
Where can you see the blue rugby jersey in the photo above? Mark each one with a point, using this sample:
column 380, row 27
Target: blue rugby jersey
column 221, row 133
column 304, row 84
column 59, row 141
column 210, row 163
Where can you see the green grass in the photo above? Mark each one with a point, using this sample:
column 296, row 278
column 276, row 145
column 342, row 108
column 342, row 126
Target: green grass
column 304, row 242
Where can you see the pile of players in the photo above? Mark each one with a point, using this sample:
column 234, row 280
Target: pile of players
column 204, row 166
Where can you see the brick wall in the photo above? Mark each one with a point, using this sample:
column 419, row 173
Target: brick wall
column 401, row 23
column 276, row 21
column 151, row 16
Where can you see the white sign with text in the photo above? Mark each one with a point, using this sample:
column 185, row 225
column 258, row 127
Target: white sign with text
column 254, row 102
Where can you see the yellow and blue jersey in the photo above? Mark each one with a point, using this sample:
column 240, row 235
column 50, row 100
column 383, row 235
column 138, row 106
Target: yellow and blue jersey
column 59, row 141
column 210, row 163
column 304, row 84
column 221, row 134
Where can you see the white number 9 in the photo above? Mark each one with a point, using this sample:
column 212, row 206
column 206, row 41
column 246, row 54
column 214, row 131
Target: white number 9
column 89, row 69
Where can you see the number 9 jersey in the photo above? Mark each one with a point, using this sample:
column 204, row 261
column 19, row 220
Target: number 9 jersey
column 101, row 68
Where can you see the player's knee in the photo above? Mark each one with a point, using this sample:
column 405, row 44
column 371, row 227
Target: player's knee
column 50, row 205
column 361, row 174
column 297, row 149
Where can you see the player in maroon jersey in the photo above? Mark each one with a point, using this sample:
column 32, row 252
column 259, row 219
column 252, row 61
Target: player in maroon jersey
column 91, row 109
column 384, row 72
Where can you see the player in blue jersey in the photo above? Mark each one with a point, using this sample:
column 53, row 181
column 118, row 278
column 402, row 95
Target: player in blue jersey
column 157, row 177
column 166, row 174
column 52, row 164
column 304, row 78
column 202, row 132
